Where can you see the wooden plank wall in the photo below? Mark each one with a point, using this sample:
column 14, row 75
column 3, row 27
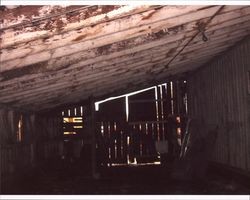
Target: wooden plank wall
column 49, row 142
column 40, row 139
column 112, row 140
column 148, row 121
column 17, row 154
column 218, row 95
column 75, row 140
column 74, row 112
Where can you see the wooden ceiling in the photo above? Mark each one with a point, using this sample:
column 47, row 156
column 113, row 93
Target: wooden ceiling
column 53, row 56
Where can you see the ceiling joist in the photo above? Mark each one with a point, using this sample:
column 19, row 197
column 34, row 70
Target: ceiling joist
column 54, row 59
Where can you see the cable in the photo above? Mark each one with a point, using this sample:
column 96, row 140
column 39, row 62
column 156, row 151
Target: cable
column 89, row 25
column 44, row 18
column 201, row 28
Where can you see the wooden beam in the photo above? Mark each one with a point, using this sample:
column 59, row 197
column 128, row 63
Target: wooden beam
column 160, row 56
column 141, row 63
column 39, row 99
column 16, row 108
column 124, row 83
column 34, row 31
column 102, row 35
column 28, row 77
column 99, row 58
column 148, row 122
column 146, row 100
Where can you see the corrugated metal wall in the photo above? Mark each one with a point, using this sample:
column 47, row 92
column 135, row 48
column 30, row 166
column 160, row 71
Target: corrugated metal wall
column 218, row 94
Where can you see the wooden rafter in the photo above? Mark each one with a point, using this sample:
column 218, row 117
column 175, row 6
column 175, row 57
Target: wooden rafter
column 111, row 51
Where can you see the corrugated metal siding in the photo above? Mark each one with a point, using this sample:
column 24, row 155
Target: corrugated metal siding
column 218, row 94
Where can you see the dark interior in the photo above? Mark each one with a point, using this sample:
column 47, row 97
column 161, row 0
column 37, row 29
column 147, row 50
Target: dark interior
column 125, row 99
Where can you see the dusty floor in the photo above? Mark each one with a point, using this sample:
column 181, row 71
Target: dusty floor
column 123, row 180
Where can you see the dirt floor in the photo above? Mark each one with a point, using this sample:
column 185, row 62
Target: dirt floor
column 73, row 180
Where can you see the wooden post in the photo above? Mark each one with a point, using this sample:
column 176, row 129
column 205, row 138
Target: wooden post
column 95, row 175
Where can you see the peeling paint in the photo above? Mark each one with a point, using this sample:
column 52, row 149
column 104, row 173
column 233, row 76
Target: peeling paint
column 104, row 49
column 31, row 69
column 177, row 29
column 80, row 37
column 28, row 11
column 24, row 14
column 151, row 13
column 90, row 56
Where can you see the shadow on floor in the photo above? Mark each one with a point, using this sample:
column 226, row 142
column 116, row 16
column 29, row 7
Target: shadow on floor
column 73, row 180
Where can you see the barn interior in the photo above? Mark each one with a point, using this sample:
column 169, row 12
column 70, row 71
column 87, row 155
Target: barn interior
column 125, row 99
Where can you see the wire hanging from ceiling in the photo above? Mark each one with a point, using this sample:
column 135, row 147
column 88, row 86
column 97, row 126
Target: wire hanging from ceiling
column 35, row 21
column 201, row 29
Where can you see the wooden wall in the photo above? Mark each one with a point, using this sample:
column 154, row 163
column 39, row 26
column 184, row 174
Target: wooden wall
column 49, row 140
column 19, row 152
column 16, row 154
column 218, row 95
column 152, row 117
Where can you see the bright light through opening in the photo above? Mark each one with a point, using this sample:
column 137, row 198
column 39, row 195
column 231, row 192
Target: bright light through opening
column 117, row 97
column 127, row 108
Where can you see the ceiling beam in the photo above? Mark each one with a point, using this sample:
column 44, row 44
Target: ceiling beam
column 113, row 55
column 109, row 33
column 93, row 76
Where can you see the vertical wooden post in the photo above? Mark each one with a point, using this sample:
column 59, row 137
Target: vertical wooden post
column 2, row 159
column 95, row 175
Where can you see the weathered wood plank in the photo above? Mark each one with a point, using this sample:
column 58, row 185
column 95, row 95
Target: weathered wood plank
column 225, row 102
column 49, row 89
column 156, row 23
column 31, row 77
column 198, row 46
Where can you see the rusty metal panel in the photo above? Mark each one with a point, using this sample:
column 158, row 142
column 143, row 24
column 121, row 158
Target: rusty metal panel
column 218, row 95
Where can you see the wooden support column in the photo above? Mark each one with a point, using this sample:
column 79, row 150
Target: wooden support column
column 95, row 174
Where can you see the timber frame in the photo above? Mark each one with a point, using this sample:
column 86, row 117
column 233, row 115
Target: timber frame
column 52, row 56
